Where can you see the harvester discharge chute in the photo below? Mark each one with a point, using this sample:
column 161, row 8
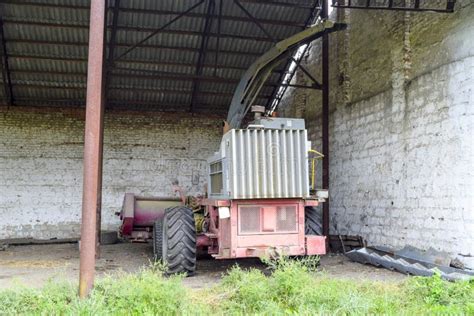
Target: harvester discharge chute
column 254, row 78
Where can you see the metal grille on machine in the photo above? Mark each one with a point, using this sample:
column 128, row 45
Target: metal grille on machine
column 268, row 163
column 267, row 219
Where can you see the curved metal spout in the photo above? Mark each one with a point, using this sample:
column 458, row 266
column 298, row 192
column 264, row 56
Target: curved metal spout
column 254, row 78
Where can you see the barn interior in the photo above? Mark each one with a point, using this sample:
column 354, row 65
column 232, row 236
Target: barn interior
column 97, row 105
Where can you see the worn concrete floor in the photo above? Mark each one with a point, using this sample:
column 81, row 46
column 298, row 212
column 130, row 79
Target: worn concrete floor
column 36, row 264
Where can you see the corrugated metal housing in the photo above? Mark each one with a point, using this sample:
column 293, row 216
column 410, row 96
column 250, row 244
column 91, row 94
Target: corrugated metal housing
column 261, row 163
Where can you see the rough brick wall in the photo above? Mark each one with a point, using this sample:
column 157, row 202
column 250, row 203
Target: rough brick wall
column 41, row 154
column 401, row 127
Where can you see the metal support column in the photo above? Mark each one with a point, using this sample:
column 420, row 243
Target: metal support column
column 325, row 118
column 92, row 145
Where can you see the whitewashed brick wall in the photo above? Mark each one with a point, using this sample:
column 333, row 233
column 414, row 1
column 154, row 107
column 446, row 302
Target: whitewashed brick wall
column 41, row 154
column 401, row 127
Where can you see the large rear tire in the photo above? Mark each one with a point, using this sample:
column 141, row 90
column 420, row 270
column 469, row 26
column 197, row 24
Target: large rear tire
column 179, row 242
column 313, row 221
column 158, row 240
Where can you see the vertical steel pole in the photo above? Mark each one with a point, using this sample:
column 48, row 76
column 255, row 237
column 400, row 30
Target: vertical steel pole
column 325, row 118
column 92, row 146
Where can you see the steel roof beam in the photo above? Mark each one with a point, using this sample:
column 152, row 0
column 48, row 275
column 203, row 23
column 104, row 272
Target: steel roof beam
column 127, row 74
column 218, row 40
column 7, row 82
column 151, row 76
column 142, row 89
column 112, row 44
column 202, row 52
column 187, row 49
column 82, row 102
column 138, row 61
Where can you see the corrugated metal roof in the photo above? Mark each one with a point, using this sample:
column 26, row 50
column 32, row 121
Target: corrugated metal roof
column 46, row 42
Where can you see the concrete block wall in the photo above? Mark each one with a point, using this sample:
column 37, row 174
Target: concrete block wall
column 41, row 152
column 401, row 127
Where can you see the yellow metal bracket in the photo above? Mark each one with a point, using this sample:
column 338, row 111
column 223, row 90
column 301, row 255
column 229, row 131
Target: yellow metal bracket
column 313, row 166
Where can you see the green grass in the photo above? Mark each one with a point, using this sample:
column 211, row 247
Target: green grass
column 292, row 289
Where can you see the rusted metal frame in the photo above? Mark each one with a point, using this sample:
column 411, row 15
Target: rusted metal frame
column 202, row 52
column 314, row 13
column 219, row 23
column 138, row 29
column 295, row 24
column 415, row 8
column 146, row 38
column 325, row 118
column 92, row 145
column 104, row 105
column 190, row 49
column 98, row 226
column 6, row 75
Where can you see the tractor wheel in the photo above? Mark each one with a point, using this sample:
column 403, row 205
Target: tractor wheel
column 158, row 240
column 313, row 221
column 179, row 246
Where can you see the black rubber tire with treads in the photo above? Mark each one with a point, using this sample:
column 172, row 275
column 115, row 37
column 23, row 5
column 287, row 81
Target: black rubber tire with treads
column 313, row 221
column 179, row 247
column 158, row 240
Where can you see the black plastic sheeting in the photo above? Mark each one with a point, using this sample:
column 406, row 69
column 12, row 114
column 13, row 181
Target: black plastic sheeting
column 406, row 265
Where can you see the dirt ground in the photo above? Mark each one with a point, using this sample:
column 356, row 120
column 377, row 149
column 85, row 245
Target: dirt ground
column 34, row 265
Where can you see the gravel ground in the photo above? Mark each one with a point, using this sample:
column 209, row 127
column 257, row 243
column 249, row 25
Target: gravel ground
column 35, row 265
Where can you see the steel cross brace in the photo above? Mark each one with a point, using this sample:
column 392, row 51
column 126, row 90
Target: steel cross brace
column 316, row 84
column 112, row 42
column 370, row 5
column 202, row 52
column 146, row 38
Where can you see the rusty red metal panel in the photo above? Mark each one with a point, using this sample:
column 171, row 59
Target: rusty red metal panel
column 315, row 245
column 273, row 234
column 92, row 146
